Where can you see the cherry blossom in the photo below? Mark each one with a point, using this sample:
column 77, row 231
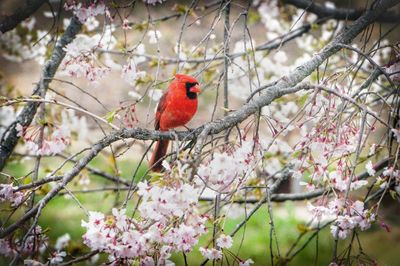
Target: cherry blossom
column 62, row 241
column 6, row 248
column 370, row 168
column 156, row 234
column 125, row 24
column 52, row 143
column 155, row 94
column 355, row 216
column 57, row 257
column 394, row 71
column 154, row 36
column 91, row 24
column 130, row 73
column 224, row 241
column 248, row 262
column 8, row 193
column 81, row 60
column 84, row 13
column 36, row 241
column 17, row 44
column 211, row 254
column 226, row 170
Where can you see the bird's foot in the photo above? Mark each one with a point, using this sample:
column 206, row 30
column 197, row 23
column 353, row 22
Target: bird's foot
column 189, row 129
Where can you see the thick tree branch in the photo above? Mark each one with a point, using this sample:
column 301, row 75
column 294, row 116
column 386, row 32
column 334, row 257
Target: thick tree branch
column 287, row 84
column 339, row 13
column 9, row 22
column 9, row 139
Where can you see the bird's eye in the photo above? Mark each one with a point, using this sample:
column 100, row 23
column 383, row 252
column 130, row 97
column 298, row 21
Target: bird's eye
column 190, row 84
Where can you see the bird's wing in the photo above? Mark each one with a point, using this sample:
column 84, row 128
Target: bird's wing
column 162, row 104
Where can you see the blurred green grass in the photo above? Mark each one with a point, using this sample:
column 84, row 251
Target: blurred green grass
column 63, row 215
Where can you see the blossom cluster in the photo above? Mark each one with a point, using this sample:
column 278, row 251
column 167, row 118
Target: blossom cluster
column 25, row 43
column 168, row 223
column 52, row 143
column 388, row 173
column 8, row 193
column 228, row 170
column 35, row 242
column 81, row 61
column 84, row 13
column 130, row 73
column 324, row 147
column 222, row 241
column 347, row 216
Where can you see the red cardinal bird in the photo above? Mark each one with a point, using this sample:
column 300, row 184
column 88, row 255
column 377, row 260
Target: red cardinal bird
column 176, row 107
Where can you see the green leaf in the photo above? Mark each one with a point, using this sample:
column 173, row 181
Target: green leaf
column 302, row 100
column 182, row 9
column 393, row 194
column 110, row 116
column 253, row 17
column 303, row 228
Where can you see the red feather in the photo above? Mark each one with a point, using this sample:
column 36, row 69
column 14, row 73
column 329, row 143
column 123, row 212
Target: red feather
column 176, row 108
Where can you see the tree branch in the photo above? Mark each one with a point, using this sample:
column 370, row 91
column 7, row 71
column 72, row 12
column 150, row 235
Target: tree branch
column 9, row 139
column 339, row 13
column 9, row 22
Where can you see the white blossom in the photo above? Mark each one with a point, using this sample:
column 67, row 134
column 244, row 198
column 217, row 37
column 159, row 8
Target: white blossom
column 130, row 73
column 370, row 168
column 62, row 241
column 154, row 36
column 224, row 241
column 211, row 254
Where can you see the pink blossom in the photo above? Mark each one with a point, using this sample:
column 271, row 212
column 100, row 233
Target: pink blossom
column 54, row 143
column 57, row 257
column 394, row 71
column 224, row 241
column 157, row 234
column 35, row 242
column 246, row 263
column 6, row 249
column 147, row 261
column 318, row 212
column 226, row 170
column 83, row 13
column 125, row 24
column 211, row 254
column 354, row 216
column 8, row 193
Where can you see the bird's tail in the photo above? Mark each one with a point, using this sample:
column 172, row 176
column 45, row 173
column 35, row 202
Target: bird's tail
column 158, row 154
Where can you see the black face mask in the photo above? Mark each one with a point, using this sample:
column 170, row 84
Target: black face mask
column 189, row 94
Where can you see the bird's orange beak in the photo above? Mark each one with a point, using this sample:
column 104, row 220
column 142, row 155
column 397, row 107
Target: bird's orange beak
column 195, row 89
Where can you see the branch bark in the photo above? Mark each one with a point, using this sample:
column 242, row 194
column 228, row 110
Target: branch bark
column 9, row 139
column 9, row 22
column 339, row 13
